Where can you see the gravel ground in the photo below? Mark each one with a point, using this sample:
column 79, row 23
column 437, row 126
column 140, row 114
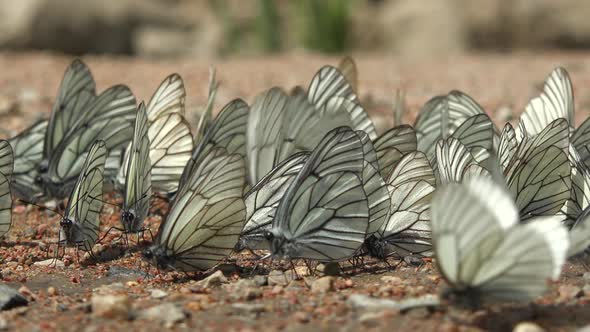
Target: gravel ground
column 121, row 291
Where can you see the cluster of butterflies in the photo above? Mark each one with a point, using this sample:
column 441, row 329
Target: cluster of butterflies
column 304, row 175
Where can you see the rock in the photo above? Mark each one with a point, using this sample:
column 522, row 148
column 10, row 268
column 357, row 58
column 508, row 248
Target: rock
column 51, row 291
column 157, row 294
column 113, row 288
column 248, row 308
column 10, row 298
column 413, row 261
column 52, row 262
column 586, row 290
column 276, row 277
column 364, row 302
column 26, row 292
column 329, row 269
column 167, row 313
column 569, row 292
column 371, row 318
column 301, row 317
column 260, row 280
column 323, row 285
column 391, row 280
column 111, row 306
column 4, row 324
column 527, row 327
column 214, row 280
column 586, row 277
column 246, row 290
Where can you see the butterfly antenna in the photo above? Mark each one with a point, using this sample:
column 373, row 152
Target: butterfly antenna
column 42, row 207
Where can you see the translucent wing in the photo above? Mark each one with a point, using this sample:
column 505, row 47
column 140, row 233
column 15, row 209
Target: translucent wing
column 76, row 91
column 580, row 191
column 508, row 146
column 374, row 185
column 171, row 147
column 6, row 169
column 263, row 199
column 555, row 102
column 228, row 131
column 28, row 153
column 463, row 216
column 264, row 132
column 81, row 221
column 413, row 167
column 205, row 222
column 541, row 185
column 455, row 162
column 205, row 119
column 168, row 98
column 113, row 124
column 358, row 116
column 324, row 213
column 392, row 145
column 580, row 139
column 329, row 82
column 138, row 184
column 441, row 116
column 348, row 68
column 304, row 125
column 407, row 229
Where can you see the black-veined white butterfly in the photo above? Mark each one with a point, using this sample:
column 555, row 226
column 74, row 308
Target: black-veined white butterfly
column 407, row 228
column 324, row 214
column 206, row 217
column 483, row 252
column 347, row 66
column 80, row 224
column 171, row 142
column 138, row 184
column 393, row 145
column 28, row 153
column 228, row 131
column 6, row 168
column 205, row 118
column 264, row 198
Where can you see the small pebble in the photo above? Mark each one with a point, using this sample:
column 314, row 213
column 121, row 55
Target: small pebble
column 167, row 313
column 157, row 294
column 260, row 280
column 323, row 285
column 391, row 280
column 528, row 327
column 248, row 308
column 214, row 280
column 569, row 292
column 52, row 262
column 111, row 306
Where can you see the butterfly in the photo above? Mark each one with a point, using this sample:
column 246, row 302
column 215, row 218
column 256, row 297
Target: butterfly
column 78, row 118
column 324, row 213
column 171, row 142
column 138, row 184
column 6, row 169
column 227, row 131
column 80, row 223
column 28, row 153
column 263, row 199
column 205, row 118
column 406, row 231
column 205, row 218
column 482, row 250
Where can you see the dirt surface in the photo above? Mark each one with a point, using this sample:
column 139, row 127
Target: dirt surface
column 62, row 297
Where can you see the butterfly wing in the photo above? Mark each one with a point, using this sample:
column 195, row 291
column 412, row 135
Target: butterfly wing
column 205, row 222
column 6, row 169
column 555, row 102
column 392, row 145
column 85, row 202
column 138, row 184
column 76, row 91
column 168, row 98
column 324, row 213
column 263, row 199
column 264, row 132
column 348, row 68
column 28, row 153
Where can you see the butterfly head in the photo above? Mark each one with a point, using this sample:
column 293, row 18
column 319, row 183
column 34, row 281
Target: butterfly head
column 376, row 247
column 280, row 245
column 127, row 219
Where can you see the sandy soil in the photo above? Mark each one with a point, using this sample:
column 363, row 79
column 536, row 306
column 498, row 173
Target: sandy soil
column 60, row 297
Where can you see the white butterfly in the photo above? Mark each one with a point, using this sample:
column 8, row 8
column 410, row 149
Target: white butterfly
column 6, row 168
column 484, row 253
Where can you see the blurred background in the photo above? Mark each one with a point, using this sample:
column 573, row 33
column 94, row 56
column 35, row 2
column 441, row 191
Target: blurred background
column 213, row 28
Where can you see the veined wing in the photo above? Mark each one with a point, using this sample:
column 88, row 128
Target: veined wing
column 76, row 91
column 392, row 145
column 168, row 98
column 555, row 102
column 6, row 169
column 81, row 220
column 138, row 184
column 348, row 68
column 264, row 132
column 205, row 222
column 263, row 199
